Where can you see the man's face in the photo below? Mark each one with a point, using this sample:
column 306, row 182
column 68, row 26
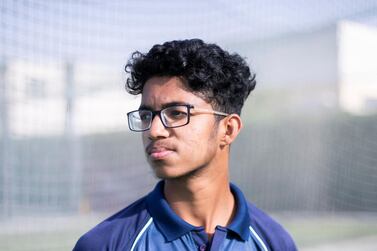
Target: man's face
column 176, row 152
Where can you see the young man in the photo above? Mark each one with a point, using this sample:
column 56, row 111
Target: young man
column 192, row 95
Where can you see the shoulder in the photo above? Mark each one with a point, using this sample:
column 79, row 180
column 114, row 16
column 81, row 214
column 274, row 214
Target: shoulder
column 117, row 231
column 270, row 230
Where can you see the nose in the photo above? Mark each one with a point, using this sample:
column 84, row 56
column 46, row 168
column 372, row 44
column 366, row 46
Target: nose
column 157, row 129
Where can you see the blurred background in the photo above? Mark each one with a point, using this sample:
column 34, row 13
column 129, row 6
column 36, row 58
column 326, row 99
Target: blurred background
column 307, row 154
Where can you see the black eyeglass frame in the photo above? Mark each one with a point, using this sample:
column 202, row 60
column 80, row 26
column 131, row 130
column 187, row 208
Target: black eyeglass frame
column 154, row 113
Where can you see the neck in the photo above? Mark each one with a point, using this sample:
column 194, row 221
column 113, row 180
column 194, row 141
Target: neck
column 202, row 200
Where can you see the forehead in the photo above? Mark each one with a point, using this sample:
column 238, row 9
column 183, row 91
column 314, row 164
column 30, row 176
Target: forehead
column 159, row 91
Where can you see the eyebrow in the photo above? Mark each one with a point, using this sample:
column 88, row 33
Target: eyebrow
column 147, row 107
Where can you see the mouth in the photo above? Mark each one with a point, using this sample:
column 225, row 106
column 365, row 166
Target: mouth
column 158, row 152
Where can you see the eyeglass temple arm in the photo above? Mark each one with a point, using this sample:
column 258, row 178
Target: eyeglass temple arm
column 211, row 111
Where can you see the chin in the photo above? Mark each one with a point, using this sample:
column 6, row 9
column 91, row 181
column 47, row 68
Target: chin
column 162, row 174
column 169, row 172
column 163, row 171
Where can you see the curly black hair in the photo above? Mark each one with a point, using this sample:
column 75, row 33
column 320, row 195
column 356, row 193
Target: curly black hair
column 222, row 79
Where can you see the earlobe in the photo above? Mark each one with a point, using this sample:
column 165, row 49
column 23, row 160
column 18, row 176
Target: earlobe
column 232, row 127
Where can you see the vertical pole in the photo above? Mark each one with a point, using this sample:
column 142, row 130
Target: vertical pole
column 73, row 141
column 4, row 144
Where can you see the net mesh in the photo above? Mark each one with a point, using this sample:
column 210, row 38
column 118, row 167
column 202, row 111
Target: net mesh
column 65, row 148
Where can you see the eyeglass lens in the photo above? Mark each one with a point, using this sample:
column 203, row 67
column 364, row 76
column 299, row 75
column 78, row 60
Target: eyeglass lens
column 172, row 116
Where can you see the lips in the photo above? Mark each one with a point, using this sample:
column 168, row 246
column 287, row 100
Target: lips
column 158, row 151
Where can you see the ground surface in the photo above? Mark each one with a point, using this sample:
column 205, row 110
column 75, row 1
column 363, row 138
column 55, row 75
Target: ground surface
column 365, row 243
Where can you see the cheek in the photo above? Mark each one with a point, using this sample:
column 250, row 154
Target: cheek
column 144, row 138
column 199, row 141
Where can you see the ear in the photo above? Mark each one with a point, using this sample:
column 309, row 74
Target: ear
column 231, row 127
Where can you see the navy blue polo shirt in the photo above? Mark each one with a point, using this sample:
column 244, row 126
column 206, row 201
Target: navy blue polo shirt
column 150, row 224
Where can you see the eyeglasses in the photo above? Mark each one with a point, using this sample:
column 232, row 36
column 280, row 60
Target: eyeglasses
column 171, row 117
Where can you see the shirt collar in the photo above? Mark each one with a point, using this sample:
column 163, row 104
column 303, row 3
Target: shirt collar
column 241, row 221
column 173, row 227
column 168, row 222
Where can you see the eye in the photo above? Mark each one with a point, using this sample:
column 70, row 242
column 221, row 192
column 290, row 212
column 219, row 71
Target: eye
column 176, row 113
column 145, row 115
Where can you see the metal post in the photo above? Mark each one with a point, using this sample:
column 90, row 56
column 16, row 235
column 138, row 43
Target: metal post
column 73, row 140
column 4, row 145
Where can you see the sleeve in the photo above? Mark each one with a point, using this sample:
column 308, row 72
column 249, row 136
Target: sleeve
column 89, row 243
column 277, row 238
